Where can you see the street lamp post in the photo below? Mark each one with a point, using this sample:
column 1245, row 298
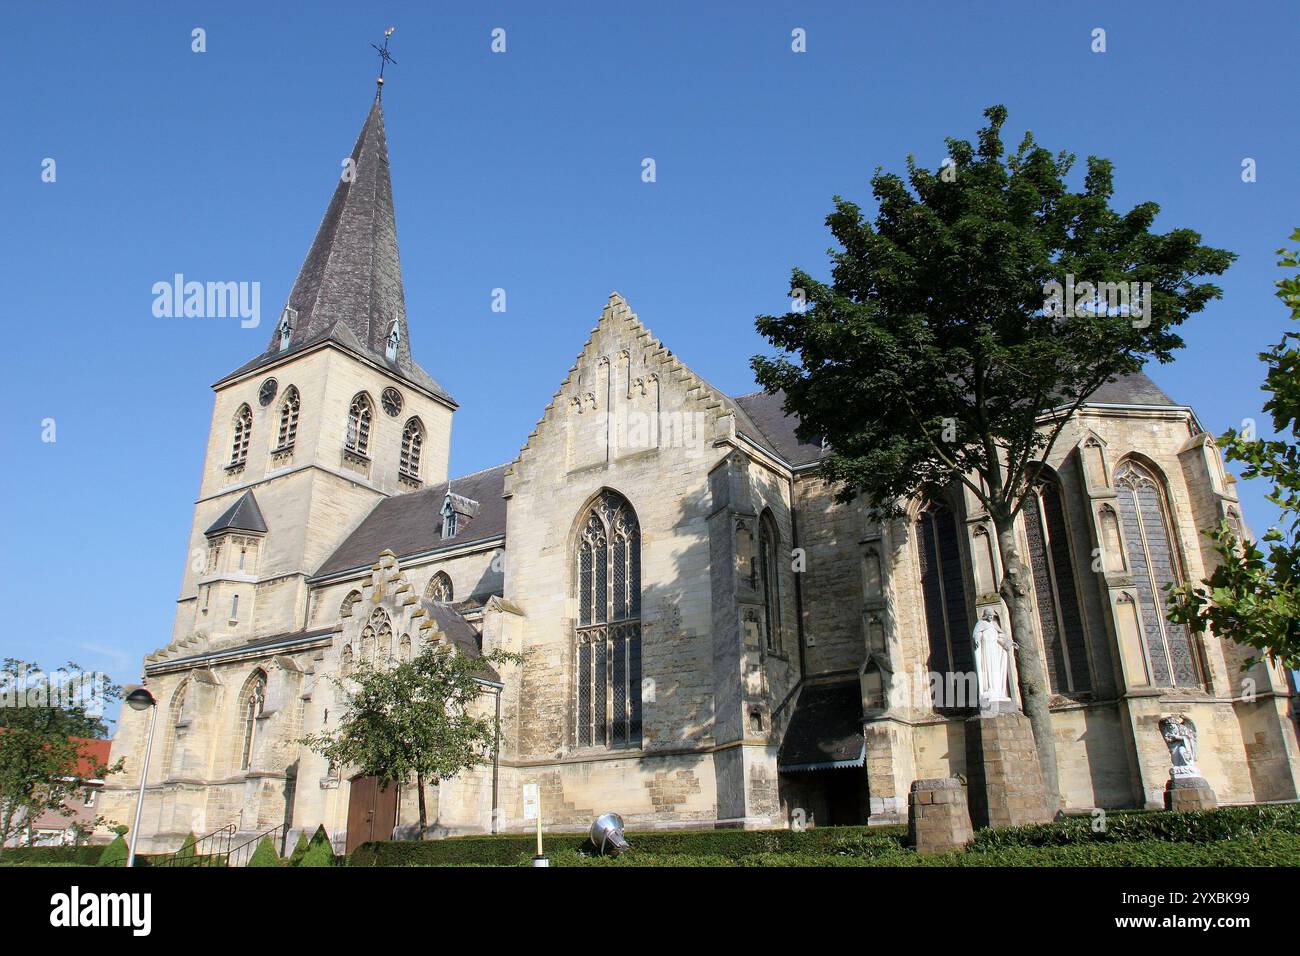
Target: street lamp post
column 138, row 700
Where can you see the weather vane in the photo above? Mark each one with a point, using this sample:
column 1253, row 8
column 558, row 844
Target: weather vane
column 384, row 59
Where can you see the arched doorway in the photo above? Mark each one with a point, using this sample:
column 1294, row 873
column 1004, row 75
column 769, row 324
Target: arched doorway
column 372, row 811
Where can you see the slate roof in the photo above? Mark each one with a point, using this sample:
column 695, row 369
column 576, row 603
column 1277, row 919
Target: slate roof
column 349, row 289
column 243, row 515
column 411, row 523
column 825, row 729
column 1135, row 389
column 235, row 650
column 459, row 631
column 775, row 428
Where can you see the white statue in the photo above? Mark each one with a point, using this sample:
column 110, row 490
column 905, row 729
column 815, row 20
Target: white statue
column 992, row 659
column 1180, row 737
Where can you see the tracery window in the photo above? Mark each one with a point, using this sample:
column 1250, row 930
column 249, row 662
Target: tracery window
column 412, row 445
column 289, row 418
column 243, row 435
column 439, row 588
column 359, row 416
column 1060, row 618
column 252, row 701
column 608, row 630
column 769, row 582
column 174, row 714
column 943, row 588
column 1153, row 562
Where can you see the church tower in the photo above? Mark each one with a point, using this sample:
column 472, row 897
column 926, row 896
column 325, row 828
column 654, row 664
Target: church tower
column 307, row 436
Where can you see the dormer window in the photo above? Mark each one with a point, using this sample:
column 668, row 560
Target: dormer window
column 394, row 339
column 285, row 327
column 449, row 518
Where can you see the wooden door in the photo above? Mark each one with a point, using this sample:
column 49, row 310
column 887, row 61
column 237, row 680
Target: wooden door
column 372, row 811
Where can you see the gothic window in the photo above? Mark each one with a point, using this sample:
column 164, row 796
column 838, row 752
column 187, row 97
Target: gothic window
column 359, row 415
column 349, row 602
column 1153, row 562
column 943, row 589
column 412, row 443
column 345, row 660
column 251, row 702
column 289, row 418
column 243, row 434
column 174, row 713
column 608, row 632
column 1060, row 619
column 383, row 634
column 769, row 583
column 439, row 588
column 404, row 647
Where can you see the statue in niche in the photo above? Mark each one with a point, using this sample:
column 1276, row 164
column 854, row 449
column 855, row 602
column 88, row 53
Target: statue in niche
column 1180, row 737
column 992, row 662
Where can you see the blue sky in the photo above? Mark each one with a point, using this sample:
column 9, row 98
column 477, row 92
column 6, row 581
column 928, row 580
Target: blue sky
column 522, row 171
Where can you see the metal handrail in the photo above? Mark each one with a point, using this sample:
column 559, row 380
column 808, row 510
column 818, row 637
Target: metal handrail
column 233, row 856
column 211, row 849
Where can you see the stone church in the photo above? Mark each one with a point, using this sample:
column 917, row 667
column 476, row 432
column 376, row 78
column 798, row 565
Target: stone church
column 707, row 637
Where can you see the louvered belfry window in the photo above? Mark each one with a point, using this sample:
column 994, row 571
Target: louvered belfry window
column 359, row 416
column 243, row 434
column 1153, row 561
column 1060, row 619
column 608, row 633
column 289, row 418
column 412, row 445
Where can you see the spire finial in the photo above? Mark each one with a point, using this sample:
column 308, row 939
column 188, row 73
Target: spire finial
column 384, row 59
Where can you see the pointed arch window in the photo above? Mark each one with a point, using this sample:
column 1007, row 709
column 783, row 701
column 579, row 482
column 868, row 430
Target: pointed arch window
column 289, row 409
column 769, row 583
column 412, row 445
column 243, row 426
column 349, row 602
column 345, row 660
column 1060, row 616
column 381, row 630
column 439, row 588
column 608, row 633
column 251, row 703
column 359, row 417
column 943, row 590
column 1153, row 561
column 175, row 728
column 404, row 647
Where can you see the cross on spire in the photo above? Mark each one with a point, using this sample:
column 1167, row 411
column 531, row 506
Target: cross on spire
column 384, row 59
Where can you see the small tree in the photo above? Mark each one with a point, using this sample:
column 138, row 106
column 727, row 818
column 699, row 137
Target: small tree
column 945, row 349
column 41, row 765
column 299, row 850
column 413, row 719
column 116, row 852
column 265, row 854
column 1251, row 598
column 319, row 852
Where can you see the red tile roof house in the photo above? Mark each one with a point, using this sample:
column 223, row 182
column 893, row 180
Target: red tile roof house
column 52, row 828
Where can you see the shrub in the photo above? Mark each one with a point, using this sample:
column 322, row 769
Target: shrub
column 115, row 853
column 299, row 850
column 265, row 854
column 319, row 851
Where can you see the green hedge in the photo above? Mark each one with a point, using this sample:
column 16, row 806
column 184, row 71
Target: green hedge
column 1202, row 826
column 52, row 855
column 731, row 845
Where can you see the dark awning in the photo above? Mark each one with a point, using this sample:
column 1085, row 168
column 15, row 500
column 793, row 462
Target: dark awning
column 825, row 730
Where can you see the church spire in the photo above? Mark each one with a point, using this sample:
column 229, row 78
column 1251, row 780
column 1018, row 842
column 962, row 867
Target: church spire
column 349, row 288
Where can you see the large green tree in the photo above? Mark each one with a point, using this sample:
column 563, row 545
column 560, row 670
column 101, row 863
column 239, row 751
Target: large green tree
column 1252, row 598
column 934, row 356
column 41, row 761
column 415, row 718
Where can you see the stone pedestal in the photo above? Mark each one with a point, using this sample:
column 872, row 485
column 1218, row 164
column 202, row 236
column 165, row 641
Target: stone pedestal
column 937, row 818
column 1189, row 793
column 1003, row 773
